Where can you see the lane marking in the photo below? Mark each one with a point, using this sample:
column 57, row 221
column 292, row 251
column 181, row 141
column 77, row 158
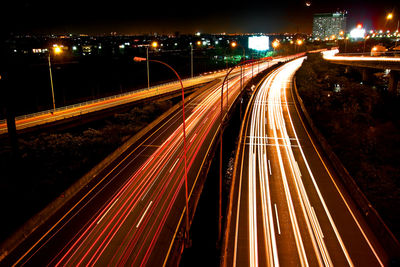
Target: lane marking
column 141, row 218
column 269, row 168
column 191, row 140
column 105, row 213
column 277, row 219
column 173, row 166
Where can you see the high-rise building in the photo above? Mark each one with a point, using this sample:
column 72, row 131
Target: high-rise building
column 328, row 25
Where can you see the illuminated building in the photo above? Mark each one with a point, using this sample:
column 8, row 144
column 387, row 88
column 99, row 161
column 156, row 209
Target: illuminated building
column 326, row 25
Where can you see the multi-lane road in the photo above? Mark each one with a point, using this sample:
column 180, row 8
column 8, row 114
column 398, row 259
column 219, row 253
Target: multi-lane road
column 130, row 213
column 288, row 206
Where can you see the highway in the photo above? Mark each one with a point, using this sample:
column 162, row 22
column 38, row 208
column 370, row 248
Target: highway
column 288, row 206
column 130, row 213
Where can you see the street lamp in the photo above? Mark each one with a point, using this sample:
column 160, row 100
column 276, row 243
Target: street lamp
column 220, row 139
column 390, row 17
column 140, row 59
column 154, row 45
column 56, row 50
column 275, row 44
column 299, row 42
column 191, row 57
column 234, row 45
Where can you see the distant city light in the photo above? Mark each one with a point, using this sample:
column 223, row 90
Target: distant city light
column 259, row 43
column 358, row 32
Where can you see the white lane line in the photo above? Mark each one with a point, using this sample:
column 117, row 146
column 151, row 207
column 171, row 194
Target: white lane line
column 269, row 168
column 141, row 218
column 148, row 161
column 105, row 213
column 173, row 166
column 191, row 140
column 277, row 219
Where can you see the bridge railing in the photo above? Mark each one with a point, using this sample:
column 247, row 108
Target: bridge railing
column 373, row 54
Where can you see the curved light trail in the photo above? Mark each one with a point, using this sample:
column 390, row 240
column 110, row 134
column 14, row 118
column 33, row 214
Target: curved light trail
column 283, row 215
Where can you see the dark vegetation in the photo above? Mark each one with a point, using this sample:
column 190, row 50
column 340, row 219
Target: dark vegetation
column 362, row 124
column 51, row 162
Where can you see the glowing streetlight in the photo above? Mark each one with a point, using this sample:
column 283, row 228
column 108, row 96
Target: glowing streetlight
column 154, row 45
column 275, row 44
column 390, row 17
column 233, row 44
column 299, row 42
column 56, row 50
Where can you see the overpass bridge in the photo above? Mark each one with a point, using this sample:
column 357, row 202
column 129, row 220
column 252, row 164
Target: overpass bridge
column 41, row 119
column 368, row 62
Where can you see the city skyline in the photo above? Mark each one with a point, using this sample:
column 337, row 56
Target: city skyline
column 136, row 18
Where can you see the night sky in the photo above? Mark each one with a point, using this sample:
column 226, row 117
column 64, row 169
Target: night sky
column 136, row 17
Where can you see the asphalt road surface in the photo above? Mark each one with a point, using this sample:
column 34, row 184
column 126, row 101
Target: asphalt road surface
column 289, row 208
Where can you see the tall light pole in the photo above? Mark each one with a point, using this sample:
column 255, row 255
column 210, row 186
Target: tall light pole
column 220, row 141
column 390, row 17
column 191, row 60
column 154, row 45
column 56, row 50
column 235, row 44
column 139, row 59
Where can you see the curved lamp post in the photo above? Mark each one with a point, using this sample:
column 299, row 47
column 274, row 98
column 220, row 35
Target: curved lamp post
column 57, row 50
column 140, row 59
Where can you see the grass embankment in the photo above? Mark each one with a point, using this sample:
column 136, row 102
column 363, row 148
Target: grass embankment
column 361, row 122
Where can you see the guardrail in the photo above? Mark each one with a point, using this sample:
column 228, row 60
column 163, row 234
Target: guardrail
column 369, row 213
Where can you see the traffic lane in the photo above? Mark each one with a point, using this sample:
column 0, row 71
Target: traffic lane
column 173, row 165
column 338, row 201
column 196, row 155
column 321, row 216
column 281, row 160
column 177, row 212
column 285, row 239
column 113, row 184
column 240, row 240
